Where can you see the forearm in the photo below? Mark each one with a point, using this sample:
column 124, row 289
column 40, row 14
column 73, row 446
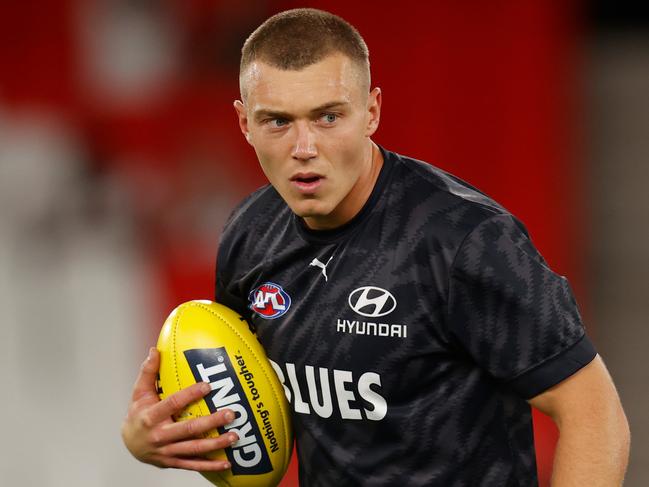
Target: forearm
column 593, row 447
column 595, row 456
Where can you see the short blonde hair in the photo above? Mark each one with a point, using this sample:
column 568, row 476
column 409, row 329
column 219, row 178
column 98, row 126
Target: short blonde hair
column 295, row 39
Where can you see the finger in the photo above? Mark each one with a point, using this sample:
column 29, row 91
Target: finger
column 197, row 448
column 197, row 464
column 177, row 402
column 145, row 382
column 193, row 428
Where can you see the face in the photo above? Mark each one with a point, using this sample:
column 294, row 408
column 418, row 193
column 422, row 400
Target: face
column 311, row 131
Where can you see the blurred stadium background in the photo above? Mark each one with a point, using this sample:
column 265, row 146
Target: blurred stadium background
column 120, row 159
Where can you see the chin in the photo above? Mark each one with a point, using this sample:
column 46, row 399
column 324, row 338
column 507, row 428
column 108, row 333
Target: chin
column 310, row 209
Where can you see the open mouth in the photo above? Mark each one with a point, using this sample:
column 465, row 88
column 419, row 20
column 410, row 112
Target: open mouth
column 307, row 182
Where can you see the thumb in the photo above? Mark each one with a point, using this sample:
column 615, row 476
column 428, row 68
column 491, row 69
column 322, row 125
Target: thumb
column 146, row 380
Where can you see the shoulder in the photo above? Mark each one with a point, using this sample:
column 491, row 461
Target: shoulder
column 258, row 204
column 439, row 205
column 430, row 179
column 259, row 213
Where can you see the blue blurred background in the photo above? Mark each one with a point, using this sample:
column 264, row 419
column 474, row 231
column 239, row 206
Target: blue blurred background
column 120, row 159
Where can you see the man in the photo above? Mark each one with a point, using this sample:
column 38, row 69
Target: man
column 409, row 316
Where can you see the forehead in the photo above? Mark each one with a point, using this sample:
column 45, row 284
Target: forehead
column 335, row 77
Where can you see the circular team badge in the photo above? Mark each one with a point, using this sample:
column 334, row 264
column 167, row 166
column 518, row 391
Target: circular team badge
column 269, row 300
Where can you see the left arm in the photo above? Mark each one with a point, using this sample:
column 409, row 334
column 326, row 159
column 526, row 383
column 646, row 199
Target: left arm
column 593, row 447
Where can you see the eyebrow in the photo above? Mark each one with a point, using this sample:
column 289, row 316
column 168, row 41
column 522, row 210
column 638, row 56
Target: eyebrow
column 269, row 113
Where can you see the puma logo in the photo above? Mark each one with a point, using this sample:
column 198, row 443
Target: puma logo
column 317, row 263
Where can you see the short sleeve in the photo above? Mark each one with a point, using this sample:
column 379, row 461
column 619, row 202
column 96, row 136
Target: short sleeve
column 513, row 315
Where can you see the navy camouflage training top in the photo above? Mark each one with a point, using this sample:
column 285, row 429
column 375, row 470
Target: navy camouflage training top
column 409, row 339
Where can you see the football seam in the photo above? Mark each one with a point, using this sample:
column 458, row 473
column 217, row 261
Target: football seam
column 174, row 348
column 263, row 369
column 202, row 400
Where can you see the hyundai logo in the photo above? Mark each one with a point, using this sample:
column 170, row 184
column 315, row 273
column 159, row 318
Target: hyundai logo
column 372, row 301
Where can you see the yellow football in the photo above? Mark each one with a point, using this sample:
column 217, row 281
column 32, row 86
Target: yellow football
column 202, row 341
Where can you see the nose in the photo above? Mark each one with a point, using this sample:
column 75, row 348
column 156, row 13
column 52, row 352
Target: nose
column 305, row 147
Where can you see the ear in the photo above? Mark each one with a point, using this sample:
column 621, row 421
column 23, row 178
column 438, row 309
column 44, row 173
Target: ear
column 373, row 111
column 242, row 115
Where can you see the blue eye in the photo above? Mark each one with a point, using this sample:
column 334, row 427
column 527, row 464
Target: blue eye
column 329, row 117
column 278, row 122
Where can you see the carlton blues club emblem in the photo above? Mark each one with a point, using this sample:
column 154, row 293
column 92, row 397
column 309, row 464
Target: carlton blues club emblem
column 269, row 301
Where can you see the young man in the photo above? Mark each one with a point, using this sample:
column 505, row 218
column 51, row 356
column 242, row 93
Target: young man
column 409, row 316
